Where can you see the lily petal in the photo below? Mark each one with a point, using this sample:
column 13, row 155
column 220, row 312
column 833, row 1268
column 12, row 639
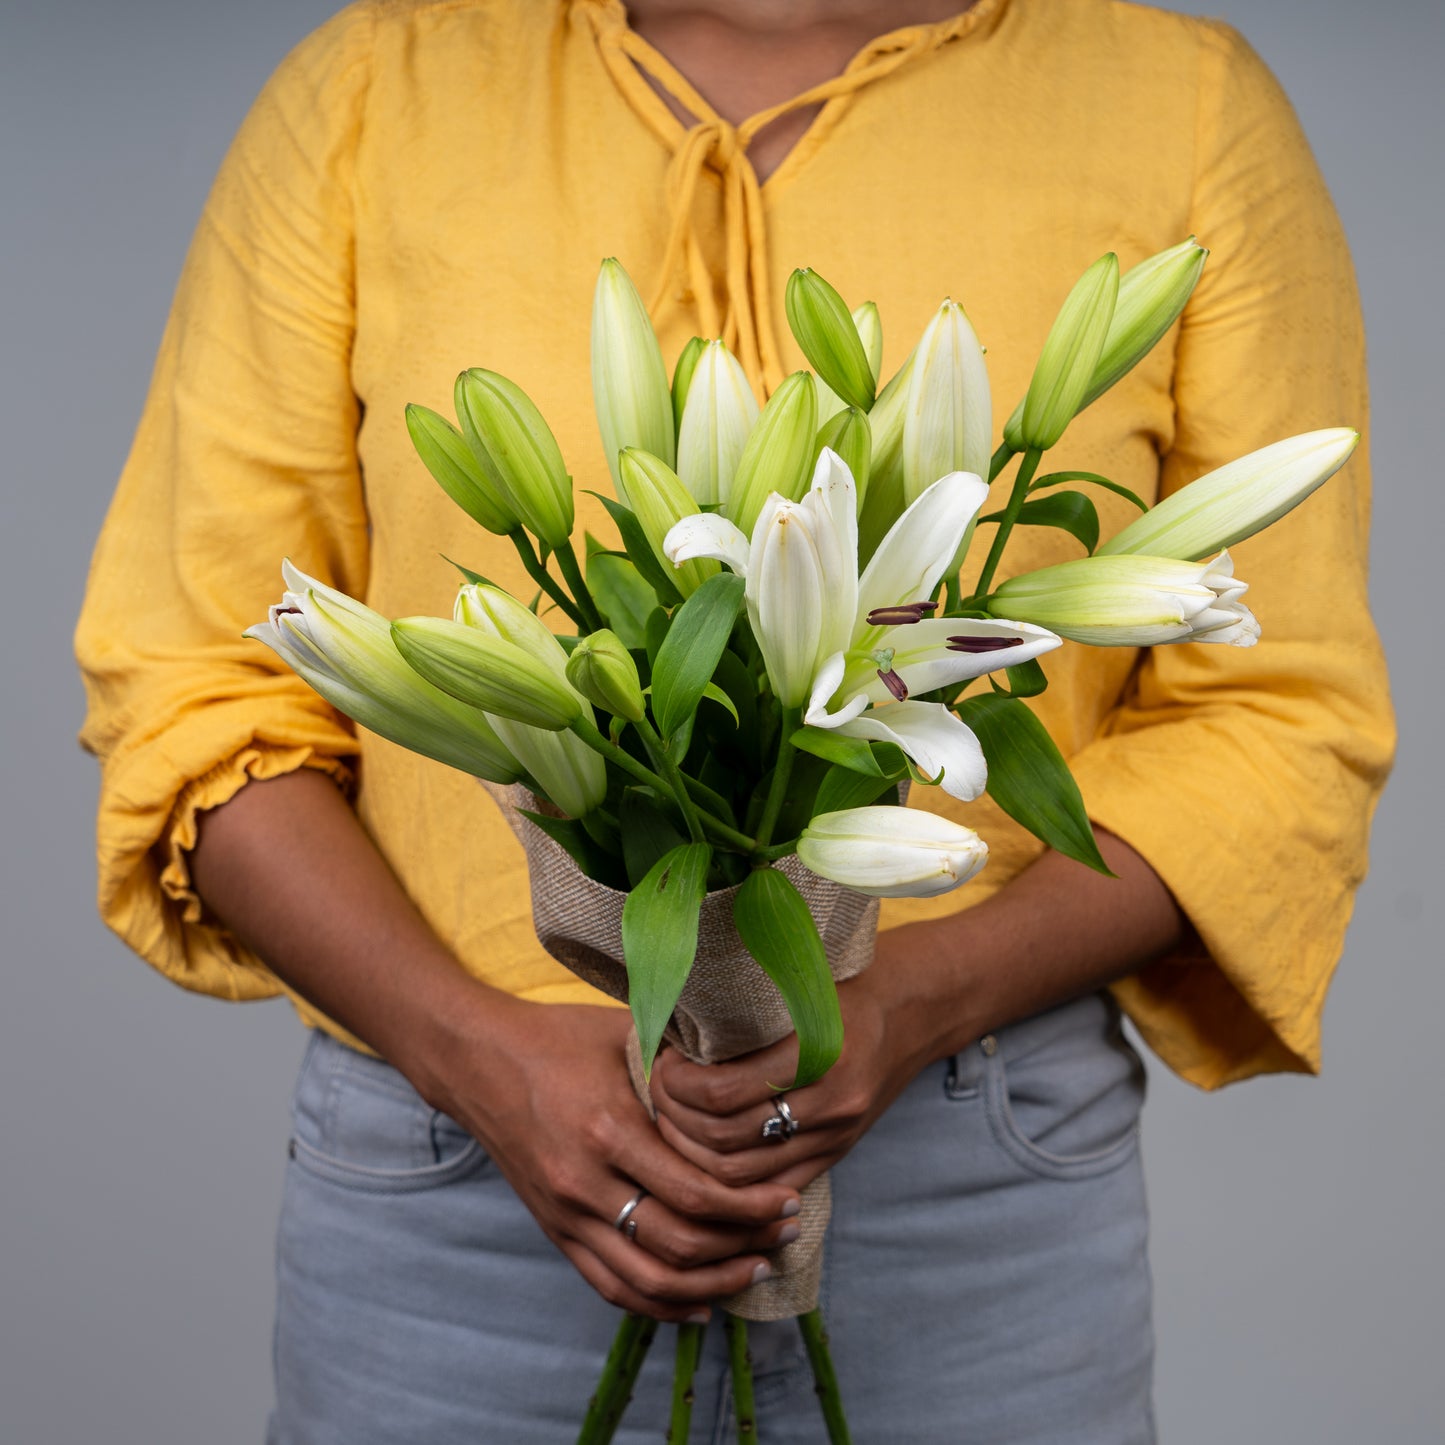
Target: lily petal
column 707, row 535
column 934, row 738
column 825, row 684
column 924, row 660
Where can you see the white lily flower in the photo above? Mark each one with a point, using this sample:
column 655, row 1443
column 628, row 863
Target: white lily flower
column 1134, row 601
column 564, row 767
column 345, row 651
column 1237, row 500
column 717, row 418
column 890, row 852
column 947, row 418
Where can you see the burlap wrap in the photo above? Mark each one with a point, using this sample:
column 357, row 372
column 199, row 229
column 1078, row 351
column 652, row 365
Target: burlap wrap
column 728, row 1007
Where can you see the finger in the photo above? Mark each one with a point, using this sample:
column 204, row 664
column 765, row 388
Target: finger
column 617, row 1291
column 685, row 1243
column 663, row 1283
column 731, row 1087
column 750, row 1167
column 722, row 1133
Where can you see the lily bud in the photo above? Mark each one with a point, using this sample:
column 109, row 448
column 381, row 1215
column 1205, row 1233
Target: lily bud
column 825, row 330
column 602, row 670
column 682, row 375
column 559, row 763
column 487, row 672
column 885, row 420
column 870, row 333
column 345, row 652
column 1132, row 601
column 947, row 416
column 629, row 381
column 660, row 501
column 892, row 852
column 1237, row 500
column 517, row 450
column 849, row 436
column 1069, row 360
column 446, row 455
column 779, row 454
column 717, row 417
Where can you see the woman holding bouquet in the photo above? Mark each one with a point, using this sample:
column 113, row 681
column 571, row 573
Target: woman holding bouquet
column 433, row 182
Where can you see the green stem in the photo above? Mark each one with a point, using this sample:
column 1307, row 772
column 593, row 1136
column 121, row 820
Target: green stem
column 611, row 1387
column 782, row 771
column 567, row 561
column 825, row 1377
column 537, row 571
column 745, row 1411
column 1017, row 496
column 1000, row 460
column 689, row 1349
column 657, row 749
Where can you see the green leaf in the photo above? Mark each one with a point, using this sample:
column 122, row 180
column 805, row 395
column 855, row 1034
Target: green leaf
column 621, row 591
column 585, row 851
column 733, row 676
column 843, row 788
column 1025, row 679
column 689, row 653
column 659, row 939
column 1071, row 512
column 468, row 575
column 655, row 634
column 639, row 551
column 647, row 833
column 1028, row 777
column 832, row 747
column 714, row 693
column 779, row 932
column 1056, row 479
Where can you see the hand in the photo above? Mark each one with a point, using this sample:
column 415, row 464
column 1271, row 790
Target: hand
column 545, row 1088
column 714, row 1114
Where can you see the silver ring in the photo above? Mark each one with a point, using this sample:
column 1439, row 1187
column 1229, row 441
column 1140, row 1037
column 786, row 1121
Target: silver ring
column 625, row 1223
column 782, row 1126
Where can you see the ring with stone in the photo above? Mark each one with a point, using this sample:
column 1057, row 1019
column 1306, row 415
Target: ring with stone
column 625, row 1223
column 782, row 1126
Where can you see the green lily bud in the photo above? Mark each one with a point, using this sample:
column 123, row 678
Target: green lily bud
column 892, row 852
column 629, row 381
column 848, row 434
column 828, row 335
column 446, row 455
column 682, row 375
column 660, row 501
column 517, row 450
column 602, row 670
column 947, row 415
column 779, row 454
column 1069, row 359
column 479, row 604
column 885, row 419
column 720, row 412
column 487, row 672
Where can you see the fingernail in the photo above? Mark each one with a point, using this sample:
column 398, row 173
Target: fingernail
column 792, row 1207
column 762, row 1272
column 789, row 1232
column 700, row 1318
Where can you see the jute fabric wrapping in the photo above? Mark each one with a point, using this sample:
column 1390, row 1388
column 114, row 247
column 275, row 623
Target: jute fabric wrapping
column 728, row 1006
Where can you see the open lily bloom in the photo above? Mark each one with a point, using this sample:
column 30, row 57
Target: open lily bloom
column 839, row 644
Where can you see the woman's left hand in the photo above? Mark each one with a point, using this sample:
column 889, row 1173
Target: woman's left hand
column 714, row 1114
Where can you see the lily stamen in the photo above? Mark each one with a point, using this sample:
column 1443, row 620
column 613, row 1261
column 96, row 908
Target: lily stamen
column 894, row 684
column 982, row 644
column 900, row 616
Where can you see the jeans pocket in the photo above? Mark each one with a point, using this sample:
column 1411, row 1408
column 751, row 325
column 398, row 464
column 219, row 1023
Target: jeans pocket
column 357, row 1122
column 1063, row 1092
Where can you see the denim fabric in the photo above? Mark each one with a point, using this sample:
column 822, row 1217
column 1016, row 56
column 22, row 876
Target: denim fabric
column 986, row 1276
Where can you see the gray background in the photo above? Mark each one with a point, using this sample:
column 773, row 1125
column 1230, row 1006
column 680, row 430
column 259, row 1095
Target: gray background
column 1297, row 1247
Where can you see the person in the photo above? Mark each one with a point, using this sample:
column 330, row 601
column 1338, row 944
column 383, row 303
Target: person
column 430, row 184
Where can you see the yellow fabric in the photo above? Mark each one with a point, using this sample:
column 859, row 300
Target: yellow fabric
column 424, row 186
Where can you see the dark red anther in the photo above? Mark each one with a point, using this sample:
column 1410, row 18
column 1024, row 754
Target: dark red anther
column 900, row 616
column 894, row 684
column 983, row 644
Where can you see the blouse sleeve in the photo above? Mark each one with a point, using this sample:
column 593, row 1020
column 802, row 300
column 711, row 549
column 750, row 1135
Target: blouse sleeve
column 1247, row 776
column 246, row 451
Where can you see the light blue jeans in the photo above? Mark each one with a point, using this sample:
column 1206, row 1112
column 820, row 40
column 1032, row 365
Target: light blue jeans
column 986, row 1276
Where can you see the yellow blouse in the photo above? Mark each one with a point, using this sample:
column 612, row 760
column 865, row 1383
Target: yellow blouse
column 430, row 184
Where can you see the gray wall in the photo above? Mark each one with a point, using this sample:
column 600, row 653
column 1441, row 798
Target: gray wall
column 1297, row 1249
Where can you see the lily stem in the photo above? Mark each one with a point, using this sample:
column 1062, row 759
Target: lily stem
column 782, row 771
column 657, row 749
column 689, row 1349
column 537, row 571
column 1000, row 460
column 825, row 1377
column 567, row 561
column 619, row 1374
column 1017, row 496
column 745, row 1411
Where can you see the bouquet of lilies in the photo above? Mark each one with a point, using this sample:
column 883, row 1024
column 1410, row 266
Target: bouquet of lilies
column 738, row 691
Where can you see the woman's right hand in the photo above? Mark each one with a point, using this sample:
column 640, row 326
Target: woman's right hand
column 545, row 1088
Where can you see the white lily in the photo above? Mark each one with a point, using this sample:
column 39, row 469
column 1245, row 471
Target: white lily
column 1134, row 601
column 1237, row 500
column 345, row 651
column 564, row 767
column 892, row 852
column 836, row 643
column 947, row 418
column 716, row 419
